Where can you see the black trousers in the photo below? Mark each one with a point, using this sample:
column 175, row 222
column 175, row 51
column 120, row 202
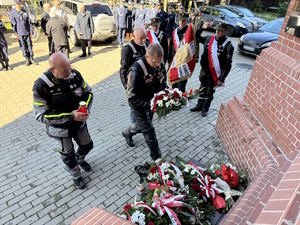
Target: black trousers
column 3, row 54
column 143, row 124
column 64, row 49
column 180, row 85
column 207, row 89
column 50, row 45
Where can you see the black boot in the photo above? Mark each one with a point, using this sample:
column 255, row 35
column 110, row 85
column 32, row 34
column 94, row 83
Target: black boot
column 197, row 107
column 128, row 137
column 32, row 61
column 27, row 61
column 204, row 112
column 85, row 167
column 79, row 183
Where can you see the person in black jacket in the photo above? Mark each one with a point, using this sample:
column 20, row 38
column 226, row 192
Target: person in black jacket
column 129, row 55
column 143, row 82
column 44, row 20
column 161, row 37
column 179, row 32
column 170, row 23
column 224, row 55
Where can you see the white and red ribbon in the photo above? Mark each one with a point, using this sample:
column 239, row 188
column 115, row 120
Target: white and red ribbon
column 144, row 205
column 213, row 60
column 151, row 36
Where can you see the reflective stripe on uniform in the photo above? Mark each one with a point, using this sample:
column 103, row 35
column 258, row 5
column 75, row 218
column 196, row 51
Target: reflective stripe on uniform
column 58, row 115
column 46, row 80
column 132, row 47
column 225, row 42
column 84, row 86
column 39, row 103
column 88, row 101
column 143, row 67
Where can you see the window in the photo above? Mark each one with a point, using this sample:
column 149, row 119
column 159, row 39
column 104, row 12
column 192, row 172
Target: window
column 206, row 11
column 99, row 9
column 216, row 13
column 62, row 5
column 75, row 10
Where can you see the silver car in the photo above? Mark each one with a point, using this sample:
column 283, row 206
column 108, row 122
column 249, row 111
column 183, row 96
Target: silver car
column 103, row 17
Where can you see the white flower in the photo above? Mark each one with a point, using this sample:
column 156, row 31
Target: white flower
column 165, row 98
column 193, row 172
column 186, row 170
column 149, row 176
column 138, row 217
column 160, row 102
column 172, row 102
column 165, row 166
column 171, row 92
column 231, row 166
column 124, row 216
column 167, row 104
column 166, row 177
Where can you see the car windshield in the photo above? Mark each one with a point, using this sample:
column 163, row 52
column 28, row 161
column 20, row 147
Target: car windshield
column 247, row 12
column 272, row 27
column 229, row 13
column 99, row 9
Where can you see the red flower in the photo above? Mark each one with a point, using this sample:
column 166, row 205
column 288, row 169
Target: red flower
column 153, row 170
column 159, row 97
column 176, row 95
column 147, row 210
column 191, row 91
column 218, row 172
column 170, row 183
column 195, row 180
column 196, row 187
column 184, row 94
column 150, row 223
column 167, row 92
column 195, row 90
column 127, row 207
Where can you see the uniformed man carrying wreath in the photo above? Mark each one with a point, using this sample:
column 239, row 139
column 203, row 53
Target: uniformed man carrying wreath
column 154, row 35
column 215, row 62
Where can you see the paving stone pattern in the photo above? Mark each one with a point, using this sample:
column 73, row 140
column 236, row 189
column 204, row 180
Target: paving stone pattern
column 34, row 188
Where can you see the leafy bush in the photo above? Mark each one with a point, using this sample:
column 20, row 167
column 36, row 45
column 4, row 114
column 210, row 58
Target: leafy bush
column 282, row 8
column 256, row 6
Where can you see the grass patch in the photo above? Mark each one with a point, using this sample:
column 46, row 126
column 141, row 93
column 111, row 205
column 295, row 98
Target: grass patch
column 268, row 15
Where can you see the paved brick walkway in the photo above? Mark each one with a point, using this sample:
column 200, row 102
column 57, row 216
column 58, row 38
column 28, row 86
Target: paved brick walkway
column 34, row 188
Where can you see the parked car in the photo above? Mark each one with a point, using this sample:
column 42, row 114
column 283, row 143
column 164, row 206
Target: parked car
column 246, row 14
column 103, row 17
column 254, row 43
column 237, row 25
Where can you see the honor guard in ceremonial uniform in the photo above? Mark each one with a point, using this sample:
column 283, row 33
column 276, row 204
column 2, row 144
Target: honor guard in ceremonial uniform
column 22, row 28
column 132, row 52
column 162, row 15
column 152, row 12
column 216, row 63
column 121, row 22
column 181, row 10
column 178, row 34
column 130, row 15
column 170, row 23
column 192, row 18
column 3, row 48
column 57, row 95
column 140, row 15
column 154, row 35
column 143, row 82
column 198, row 23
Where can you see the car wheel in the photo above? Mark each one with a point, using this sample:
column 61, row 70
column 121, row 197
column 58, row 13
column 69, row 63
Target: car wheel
column 230, row 31
column 36, row 34
column 104, row 25
column 73, row 37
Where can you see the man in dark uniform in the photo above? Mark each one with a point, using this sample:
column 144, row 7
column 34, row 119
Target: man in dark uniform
column 162, row 15
column 142, row 84
column 22, row 28
column 56, row 97
column 3, row 48
column 179, row 32
column 210, row 78
column 129, row 55
column 44, row 20
column 162, row 39
column 198, row 22
column 57, row 28
column 170, row 23
column 121, row 25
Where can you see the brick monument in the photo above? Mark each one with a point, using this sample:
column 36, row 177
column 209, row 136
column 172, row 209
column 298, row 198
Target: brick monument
column 261, row 133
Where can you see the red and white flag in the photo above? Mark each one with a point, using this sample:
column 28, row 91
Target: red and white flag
column 184, row 61
column 151, row 36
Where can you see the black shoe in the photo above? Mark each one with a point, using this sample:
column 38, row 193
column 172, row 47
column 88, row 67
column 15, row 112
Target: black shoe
column 32, row 61
column 85, row 167
column 9, row 68
column 83, row 55
column 197, row 108
column 89, row 54
column 128, row 139
column 3, row 69
column 204, row 112
column 79, row 183
column 27, row 61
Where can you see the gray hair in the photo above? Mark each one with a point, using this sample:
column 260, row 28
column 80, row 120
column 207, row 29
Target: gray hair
column 137, row 31
column 155, row 49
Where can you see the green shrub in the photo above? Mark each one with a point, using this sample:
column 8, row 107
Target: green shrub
column 282, row 8
column 256, row 6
